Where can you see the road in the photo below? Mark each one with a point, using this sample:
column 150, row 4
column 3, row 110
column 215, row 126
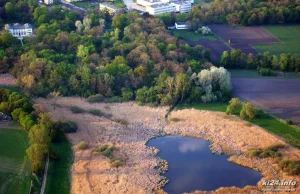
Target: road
column 73, row 7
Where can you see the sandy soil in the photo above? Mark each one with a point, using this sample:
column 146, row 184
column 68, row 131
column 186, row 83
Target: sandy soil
column 93, row 174
column 7, row 79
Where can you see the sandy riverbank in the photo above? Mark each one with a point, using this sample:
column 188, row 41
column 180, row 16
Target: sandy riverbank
column 93, row 174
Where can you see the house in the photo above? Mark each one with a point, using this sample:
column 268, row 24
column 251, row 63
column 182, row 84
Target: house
column 18, row 30
column 109, row 7
column 181, row 25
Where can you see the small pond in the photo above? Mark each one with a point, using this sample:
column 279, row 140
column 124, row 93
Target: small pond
column 192, row 166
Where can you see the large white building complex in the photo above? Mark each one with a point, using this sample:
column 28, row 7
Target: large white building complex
column 154, row 7
column 18, row 30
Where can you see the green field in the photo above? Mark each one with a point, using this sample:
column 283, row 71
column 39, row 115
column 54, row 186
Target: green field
column 246, row 73
column 15, row 173
column 59, row 180
column 118, row 3
column 289, row 37
column 263, row 119
column 191, row 36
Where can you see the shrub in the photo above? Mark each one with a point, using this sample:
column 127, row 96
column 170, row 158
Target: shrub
column 116, row 163
column 290, row 166
column 66, row 126
column 266, row 72
column 254, row 153
column 107, row 153
column 269, row 153
column 234, row 105
column 82, row 145
column 289, row 122
column 99, row 113
column 95, row 98
column 275, row 147
column 127, row 94
column 174, row 119
column 101, row 148
column 248, row 111
column 77, row 109
column 111, row 148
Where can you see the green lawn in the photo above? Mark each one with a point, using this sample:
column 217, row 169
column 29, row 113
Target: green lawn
column 15, row 172
column 263, row 119
column 290, row 37
column 191, row 36
column 59, row 180
column 246, row 73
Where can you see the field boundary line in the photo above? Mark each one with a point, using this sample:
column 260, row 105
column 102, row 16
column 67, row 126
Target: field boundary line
column 45, row 175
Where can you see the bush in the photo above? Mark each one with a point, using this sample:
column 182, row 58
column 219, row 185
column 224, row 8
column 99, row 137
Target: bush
column 269, row 153
column 116, row 163
column 95, row 98
column 289, row 122
column 174, row 119
column 234, row 105
column 107, row 153
column 77, row 109
column 101, row 148
column 248, row 111
column 276, row 147
column 254, row 153
column 111, row 148
column 82, row 145
column 66, row 126
column 290, row 166
column 99, row 113
column 122, row 121
column 266, row 72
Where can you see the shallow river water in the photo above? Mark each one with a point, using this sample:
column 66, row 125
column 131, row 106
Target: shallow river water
column 192, row 166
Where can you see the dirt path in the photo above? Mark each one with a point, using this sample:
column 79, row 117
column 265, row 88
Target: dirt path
column 6, row 125
column 93, row 174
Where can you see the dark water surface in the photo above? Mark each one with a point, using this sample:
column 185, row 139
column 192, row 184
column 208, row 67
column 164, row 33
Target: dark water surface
column 192, row 166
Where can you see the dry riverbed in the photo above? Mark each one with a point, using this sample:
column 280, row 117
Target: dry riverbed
column 131, row 126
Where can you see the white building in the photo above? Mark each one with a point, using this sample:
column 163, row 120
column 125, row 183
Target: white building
column 110, row 8
column 48, row 2
column 181, row 25
column 18, row 30
column 154, row 7
column 160, row 8
column 182, row 6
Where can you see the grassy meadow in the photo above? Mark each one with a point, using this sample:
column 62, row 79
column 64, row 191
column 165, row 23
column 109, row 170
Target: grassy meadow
column 246, row 73
column 289, row 37
column 15, row 172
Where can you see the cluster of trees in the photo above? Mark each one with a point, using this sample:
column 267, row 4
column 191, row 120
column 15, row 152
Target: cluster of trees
column 208, row 85
column 265, row 63
column 42, row 130
column 245, row 110
column 16, row 11
column 101, row 55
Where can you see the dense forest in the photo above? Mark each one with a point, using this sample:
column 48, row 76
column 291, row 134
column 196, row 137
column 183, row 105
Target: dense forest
column 130, row 56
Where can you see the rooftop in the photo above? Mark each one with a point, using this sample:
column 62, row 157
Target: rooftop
column 160, row 5
column 17, row 26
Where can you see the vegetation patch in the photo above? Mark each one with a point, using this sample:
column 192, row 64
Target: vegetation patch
column 66, row 126
column 82, row 145
column 77, row 109
column 107, row 151
column 173, row 119
column 99, row 113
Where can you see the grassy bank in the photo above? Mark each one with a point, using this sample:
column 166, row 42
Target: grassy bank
column 15, row 172
column 263, row 119
column 289, row 37
column 59, row 179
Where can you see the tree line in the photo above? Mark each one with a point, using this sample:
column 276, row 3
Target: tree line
column 42, row 130
column 266, row 64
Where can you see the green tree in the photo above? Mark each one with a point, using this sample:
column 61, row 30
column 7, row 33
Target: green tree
column 248, row 111
column 36, row 154
column 225, row 59
column 234, row 105
column 283, row 62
